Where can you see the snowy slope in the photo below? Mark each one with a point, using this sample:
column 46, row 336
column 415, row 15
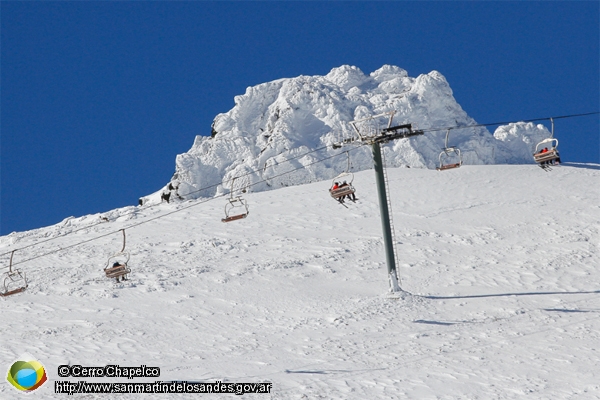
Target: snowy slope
column 499, row 262
column 289, row 117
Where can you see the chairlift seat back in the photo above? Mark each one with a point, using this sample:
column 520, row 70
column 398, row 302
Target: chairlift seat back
column 547, row 156
column 343, row 191
column 14, row 291
column 448, row 166
column 234, row 217
column 117, row 271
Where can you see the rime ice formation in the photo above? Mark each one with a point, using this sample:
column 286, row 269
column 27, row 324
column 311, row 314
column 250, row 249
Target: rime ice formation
column 275, row 121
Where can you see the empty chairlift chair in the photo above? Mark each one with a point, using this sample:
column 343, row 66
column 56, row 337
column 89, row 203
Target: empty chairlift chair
column 14, row 281
column 236, row 207
column 450, row 157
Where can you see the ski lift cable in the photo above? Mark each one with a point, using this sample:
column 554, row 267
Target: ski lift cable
column 173, row 212
column 259, row 170
column 226, row 194
column 196, row 191
column 66, row 247
column 293, row 158
column 509, row 122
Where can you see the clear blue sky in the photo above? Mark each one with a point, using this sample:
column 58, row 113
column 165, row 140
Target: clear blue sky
column 97, row 98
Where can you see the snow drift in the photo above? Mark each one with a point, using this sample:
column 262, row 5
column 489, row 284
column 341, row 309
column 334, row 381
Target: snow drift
column 286, row 118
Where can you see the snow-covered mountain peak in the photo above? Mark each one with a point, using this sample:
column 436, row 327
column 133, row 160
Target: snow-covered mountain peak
column 280, row 120
column 388, row 72
column 347, row 77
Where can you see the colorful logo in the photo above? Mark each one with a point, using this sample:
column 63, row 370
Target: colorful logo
column 26, row 376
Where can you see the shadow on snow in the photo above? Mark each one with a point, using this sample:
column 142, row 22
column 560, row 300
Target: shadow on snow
column 478, row 296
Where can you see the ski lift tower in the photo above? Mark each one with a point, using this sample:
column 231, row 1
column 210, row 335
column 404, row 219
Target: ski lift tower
column 368, row 132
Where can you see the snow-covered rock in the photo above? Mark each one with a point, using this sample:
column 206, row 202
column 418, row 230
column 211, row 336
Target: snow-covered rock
column 291, row 118
column 520, row 139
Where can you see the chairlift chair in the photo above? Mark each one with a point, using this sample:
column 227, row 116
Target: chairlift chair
column 346, row 187
column 236, row 207
column 116, row 266
column 345, row 190
column 549, row 156
column 448, row 155
column 14, row 281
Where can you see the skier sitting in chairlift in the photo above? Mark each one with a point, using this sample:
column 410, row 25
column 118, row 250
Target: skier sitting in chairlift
column 542, row 151
column 336, row 186
column 554, row 161
column 118, row 264
column 353, row 198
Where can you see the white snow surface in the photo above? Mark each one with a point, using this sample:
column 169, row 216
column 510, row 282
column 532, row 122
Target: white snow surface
column 289, row 117
column 499, row 264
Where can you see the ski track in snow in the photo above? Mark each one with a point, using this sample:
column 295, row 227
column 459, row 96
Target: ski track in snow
column 499, row 264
